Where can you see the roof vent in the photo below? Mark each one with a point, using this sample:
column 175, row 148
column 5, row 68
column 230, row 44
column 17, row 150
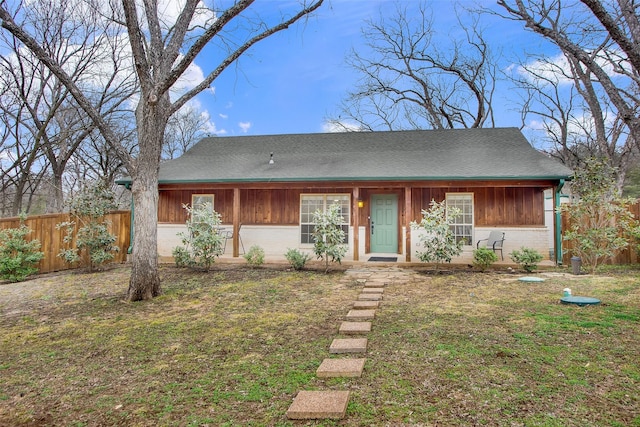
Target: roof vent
column 271, row 159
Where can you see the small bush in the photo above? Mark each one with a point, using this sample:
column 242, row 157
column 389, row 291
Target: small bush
column 526, row 258
column 255, row 256
column 87, row 239
column 296, row 258
column 436, row 237
column 181, row 257
column 18, row 256
column 202, row 241
column 328, row 235
column 483, row 258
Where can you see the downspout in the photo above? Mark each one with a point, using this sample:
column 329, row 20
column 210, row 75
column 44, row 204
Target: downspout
column 558, row 223
column 130, row 249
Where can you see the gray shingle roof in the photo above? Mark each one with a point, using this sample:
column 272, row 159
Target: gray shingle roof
column 460, row 154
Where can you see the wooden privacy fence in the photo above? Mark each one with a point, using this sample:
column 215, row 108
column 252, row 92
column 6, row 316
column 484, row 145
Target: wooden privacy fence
column 43, row 228
column 628, row 255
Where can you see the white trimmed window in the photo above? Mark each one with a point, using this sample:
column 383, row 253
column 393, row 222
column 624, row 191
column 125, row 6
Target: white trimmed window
column 199, row 200
column 462, row 225
column 310, row 203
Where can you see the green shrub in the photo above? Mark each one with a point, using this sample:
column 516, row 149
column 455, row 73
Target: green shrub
column 181, row 257
column 328, row 235
column 601, row 223
column 483, row 258
column 202, row 241
column 526, row 258
column 18, row 256
column 87, row 236
column 437, row 238
column 296, row 258
column 255, row 256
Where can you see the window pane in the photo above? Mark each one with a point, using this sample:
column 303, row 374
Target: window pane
column 310, row 203
column 462, row 226
column 306, row 233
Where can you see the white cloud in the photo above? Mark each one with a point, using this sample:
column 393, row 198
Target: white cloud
column 223, row 116
column 557, row 70
column 544, row 71
column 192, row 77
column 245, row 126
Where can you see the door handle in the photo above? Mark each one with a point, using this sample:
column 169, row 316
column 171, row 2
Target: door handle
column 372, row 228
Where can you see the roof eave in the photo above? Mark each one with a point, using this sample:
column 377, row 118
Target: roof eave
column 362, row 179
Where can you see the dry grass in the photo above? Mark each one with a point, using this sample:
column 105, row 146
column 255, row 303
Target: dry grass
column 232, row 347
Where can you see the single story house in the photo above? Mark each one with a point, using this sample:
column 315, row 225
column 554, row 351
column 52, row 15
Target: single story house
column 267, row 188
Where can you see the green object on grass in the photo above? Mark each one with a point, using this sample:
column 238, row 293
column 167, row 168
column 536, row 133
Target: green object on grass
column 531, row 279
column 580, row 301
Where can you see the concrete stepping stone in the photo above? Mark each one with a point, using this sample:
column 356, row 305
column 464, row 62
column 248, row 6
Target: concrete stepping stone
column 355, row 327
column 315, row 405
column 331, row 368
column 370, row 297
column 361, row 314
column 348, row 345
column 366, row 305
column 367, row 290
column 370, row 284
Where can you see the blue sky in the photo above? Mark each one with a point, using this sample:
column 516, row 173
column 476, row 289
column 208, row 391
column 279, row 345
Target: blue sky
column 292, row 81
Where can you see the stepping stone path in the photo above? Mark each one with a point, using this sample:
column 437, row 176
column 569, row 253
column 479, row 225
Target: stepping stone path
column 332, row 404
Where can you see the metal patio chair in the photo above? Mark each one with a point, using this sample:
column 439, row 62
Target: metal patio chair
column 494, row 242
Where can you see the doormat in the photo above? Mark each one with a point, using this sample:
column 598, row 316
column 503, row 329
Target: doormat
column 383, row 259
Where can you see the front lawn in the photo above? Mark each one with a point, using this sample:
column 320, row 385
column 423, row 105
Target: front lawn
column 233, row 346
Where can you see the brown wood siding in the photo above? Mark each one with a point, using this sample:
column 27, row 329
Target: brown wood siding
column 497, row 206
column 257, row 206
column 494, row 205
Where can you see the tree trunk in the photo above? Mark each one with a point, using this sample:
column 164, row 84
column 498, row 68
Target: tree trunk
column 145, row 279
column 56, row 195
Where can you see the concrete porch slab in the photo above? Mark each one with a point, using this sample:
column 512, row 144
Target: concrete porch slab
column 330, row 368
column 315, row 405
column 348, row 345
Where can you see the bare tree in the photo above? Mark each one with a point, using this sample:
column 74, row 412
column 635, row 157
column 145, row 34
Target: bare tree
column 577, row 120
column 59, row 126
column 23, row 163
column 410, row 81
column 184, row 129
column 163, row 49
column 602, row 42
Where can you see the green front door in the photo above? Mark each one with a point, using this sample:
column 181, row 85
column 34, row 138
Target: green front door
column 384, row 223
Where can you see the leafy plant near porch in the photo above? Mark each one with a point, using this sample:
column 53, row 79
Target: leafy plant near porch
column 437, row 240
column 18, row 257
column 328, row 235
column 296, row 258
column 601, row 223
column 91, row 244
column 202, row 242
column 483, row 258
column 526, row 258
column 255, row 256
